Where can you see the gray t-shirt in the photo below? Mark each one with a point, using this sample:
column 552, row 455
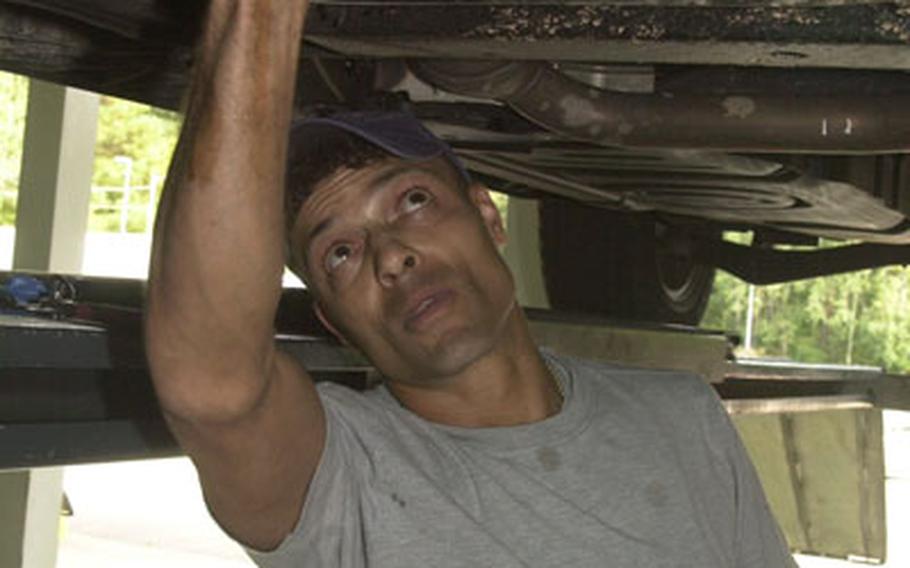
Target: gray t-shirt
column 640, row 469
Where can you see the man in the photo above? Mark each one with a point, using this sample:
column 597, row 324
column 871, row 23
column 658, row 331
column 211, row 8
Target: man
column 479, row 450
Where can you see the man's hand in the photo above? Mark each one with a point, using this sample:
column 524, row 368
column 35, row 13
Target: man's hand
column 247, row 414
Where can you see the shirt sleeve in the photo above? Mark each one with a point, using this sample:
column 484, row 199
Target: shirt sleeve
column 329, row 531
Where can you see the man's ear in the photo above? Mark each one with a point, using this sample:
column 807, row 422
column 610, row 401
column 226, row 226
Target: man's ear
column 328, row 325
column 480, row 197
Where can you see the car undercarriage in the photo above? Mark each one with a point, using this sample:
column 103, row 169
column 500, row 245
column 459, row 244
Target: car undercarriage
column 669, row 122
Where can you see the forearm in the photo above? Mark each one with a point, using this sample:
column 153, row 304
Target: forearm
column 218, row 255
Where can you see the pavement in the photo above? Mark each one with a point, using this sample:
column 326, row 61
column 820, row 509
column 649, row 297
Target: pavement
column 141, row 514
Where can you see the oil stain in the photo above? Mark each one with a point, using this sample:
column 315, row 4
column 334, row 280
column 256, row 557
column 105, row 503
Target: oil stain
column 549, row 458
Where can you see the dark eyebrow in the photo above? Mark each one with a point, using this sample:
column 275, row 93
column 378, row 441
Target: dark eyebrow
column 377, row 184
column 400, row 171
column 320, row 227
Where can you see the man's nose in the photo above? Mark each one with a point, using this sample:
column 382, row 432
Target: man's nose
column 394, row 260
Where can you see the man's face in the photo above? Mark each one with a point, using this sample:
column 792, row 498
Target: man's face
column 404, row 265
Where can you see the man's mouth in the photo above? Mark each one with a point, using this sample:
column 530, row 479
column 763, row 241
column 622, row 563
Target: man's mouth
column 427, row 308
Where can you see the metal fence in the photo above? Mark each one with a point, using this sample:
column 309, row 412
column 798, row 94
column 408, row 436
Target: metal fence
column 123, row 206
column 120, row 207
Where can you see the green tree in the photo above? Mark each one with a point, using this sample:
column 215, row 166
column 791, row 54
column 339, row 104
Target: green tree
column 145, row 136
column 13, row 99
column 856, row 318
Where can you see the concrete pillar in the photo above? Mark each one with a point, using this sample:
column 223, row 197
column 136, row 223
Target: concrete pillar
column 51, row 218
column 30, row 517
column 55, row 185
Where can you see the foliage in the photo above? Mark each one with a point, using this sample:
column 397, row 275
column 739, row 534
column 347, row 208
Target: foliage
column 13, row 98
column 143, row 135
column 134, row 141
column 856, row 318
column 501, row 200
column 136, row 131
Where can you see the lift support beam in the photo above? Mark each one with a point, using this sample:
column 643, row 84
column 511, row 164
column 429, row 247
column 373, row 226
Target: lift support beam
column 77, row 389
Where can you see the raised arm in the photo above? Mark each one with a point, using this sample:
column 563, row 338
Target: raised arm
column 247, row 414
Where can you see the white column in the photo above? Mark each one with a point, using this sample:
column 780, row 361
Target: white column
column 30, row 517
column 51, row 218
column 56, row 181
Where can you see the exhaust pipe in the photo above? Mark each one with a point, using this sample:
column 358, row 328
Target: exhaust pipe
column 739, row 123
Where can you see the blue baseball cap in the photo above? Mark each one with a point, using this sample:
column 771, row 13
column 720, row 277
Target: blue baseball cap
column 398, row 133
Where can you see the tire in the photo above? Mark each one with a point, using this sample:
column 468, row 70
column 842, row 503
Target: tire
column 620, row 265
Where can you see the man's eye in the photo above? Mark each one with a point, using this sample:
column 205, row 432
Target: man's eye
column 414, row 199
column 337, row 256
